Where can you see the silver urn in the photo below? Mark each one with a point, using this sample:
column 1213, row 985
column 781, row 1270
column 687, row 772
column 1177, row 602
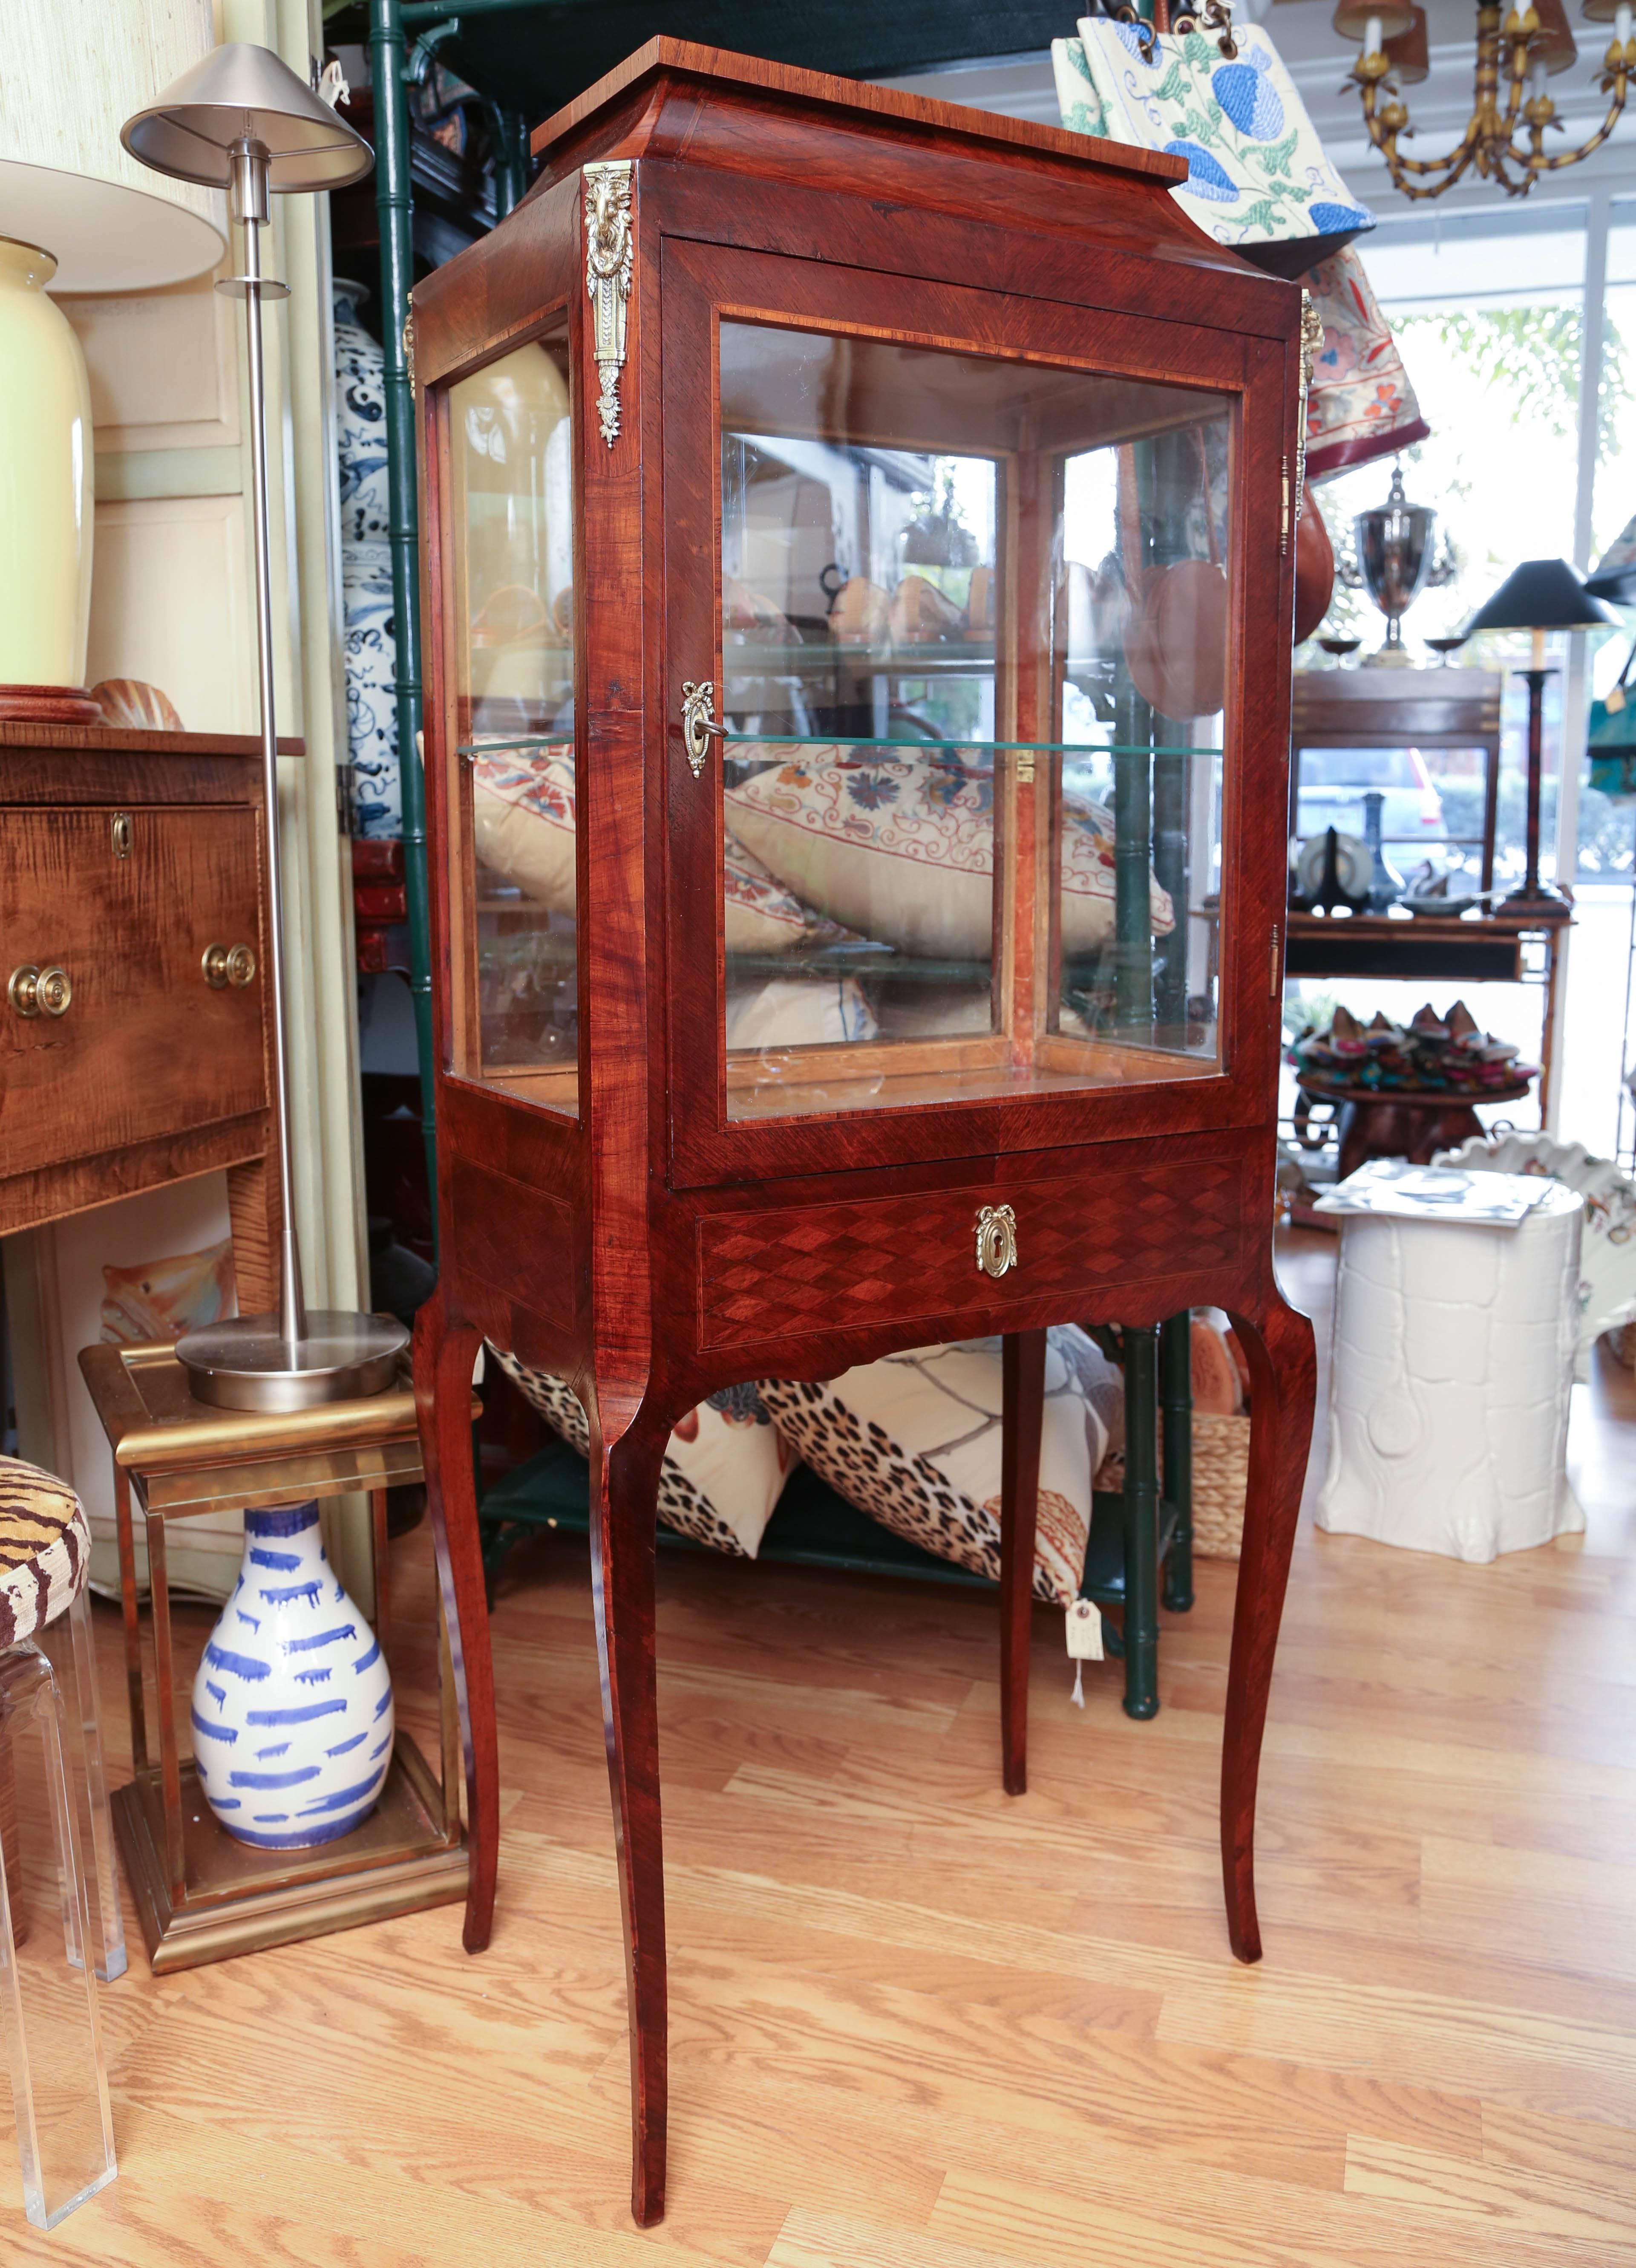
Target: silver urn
column 1394, row 543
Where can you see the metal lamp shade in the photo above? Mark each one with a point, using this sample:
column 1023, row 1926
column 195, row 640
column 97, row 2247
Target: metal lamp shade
column 1615, row 573
column 242, row 93
column 1542, row 594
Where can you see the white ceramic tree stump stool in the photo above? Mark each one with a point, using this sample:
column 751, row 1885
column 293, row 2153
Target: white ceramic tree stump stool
column 49, row 1947
column 1450, row 1373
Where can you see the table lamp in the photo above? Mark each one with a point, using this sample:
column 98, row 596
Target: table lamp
column 79, row 215
column 242, row 121
column 1540, row 595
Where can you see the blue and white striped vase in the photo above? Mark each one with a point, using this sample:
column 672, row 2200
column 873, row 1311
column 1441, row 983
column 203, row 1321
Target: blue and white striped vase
column 292, row 1715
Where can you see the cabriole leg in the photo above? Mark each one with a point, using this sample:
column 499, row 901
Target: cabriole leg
column 1023, row 1390
column 1283, row 1374
column 445, row 1355
column 624, row 1509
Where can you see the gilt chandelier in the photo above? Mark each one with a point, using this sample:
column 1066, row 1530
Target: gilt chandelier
column 1512, row 114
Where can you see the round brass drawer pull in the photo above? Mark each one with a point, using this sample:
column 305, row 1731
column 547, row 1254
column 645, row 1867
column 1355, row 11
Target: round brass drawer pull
column 227, row 964
column 996, row 1239
column 35, row 991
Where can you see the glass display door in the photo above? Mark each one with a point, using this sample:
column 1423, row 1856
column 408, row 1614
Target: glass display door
column 971, row 666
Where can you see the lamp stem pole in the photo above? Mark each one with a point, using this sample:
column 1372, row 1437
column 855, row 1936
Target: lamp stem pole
column 248, row 191
column 1536, row 767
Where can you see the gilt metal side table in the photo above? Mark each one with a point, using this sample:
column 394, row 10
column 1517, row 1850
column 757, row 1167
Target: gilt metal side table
column 202, row 1895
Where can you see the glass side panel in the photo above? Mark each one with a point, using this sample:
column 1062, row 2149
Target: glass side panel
column 511, row 455
column 974, row 659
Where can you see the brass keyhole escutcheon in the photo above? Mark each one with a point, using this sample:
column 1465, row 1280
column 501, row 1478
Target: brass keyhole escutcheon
column 227, row 964
column 996, row 1239
column 697, row 723
column 35, row 991
column 120, row 829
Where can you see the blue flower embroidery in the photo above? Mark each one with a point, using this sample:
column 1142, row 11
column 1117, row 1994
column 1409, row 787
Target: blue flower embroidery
column 1248, row 98
column 1207, row 177
column 953, row 786
column 1141, row 43
column 871, row 789
column 1330, row 220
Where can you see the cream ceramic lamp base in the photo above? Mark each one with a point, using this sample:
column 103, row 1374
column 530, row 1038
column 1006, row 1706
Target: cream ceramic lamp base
column 46, row 497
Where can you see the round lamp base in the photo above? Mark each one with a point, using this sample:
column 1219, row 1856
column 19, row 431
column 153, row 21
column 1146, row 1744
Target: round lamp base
column 244, row 1364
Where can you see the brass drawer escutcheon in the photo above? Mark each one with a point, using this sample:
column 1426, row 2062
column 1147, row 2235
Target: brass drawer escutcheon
column 35, row 991
column 227, row 964
column 996, row 1239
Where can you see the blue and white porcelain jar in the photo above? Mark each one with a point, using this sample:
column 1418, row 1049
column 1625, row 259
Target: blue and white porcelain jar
column 371, row 643
column 292, row 1711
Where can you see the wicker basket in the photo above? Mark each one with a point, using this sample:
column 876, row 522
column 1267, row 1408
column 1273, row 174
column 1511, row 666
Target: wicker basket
column 1221, row 1483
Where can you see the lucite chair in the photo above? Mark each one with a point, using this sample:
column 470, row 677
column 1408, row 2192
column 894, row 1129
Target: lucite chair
column 59, row 1929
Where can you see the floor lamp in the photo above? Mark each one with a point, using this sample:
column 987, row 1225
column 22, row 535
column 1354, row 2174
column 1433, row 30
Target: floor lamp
column 243, row 121
column 1540, row 595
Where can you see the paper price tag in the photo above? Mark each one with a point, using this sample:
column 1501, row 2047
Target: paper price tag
column 1084, row 1630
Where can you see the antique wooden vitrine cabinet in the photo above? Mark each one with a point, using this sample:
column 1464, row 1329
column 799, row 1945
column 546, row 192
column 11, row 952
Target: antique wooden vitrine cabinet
column 857, row 545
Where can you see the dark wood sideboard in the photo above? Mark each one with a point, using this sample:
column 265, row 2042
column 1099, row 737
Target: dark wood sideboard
column 132, row 863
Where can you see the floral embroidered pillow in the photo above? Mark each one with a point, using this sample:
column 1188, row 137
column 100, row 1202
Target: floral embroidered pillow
column 1256, row 169
column 914, row 1441
column 901, row 850
column 523, row 820
column 722, row 1475
column 1362, row 405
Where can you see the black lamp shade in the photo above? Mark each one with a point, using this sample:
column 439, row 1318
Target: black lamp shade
column 1542, row 594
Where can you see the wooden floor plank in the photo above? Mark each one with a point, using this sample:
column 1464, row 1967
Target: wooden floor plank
column 919, row 2024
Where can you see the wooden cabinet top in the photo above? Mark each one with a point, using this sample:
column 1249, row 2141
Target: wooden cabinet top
column 78, row 764
column 128, row 740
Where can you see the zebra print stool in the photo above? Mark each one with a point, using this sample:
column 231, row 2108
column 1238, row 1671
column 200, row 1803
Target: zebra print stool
column 49, row 1944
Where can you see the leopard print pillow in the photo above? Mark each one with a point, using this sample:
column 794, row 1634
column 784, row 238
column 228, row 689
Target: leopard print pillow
column 722, row 1474
column 914, row 1441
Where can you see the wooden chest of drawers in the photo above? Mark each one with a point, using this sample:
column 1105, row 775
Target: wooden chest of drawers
column 132, row 1034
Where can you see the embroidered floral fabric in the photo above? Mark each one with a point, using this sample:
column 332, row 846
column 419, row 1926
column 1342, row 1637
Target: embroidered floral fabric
column 1362, row 405
column 1256, row 172
column 902, row 850
column 523, row 816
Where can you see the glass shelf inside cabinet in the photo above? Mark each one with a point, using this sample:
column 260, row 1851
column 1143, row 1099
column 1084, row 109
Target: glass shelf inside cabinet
column 974, row 669
column 511, row 455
